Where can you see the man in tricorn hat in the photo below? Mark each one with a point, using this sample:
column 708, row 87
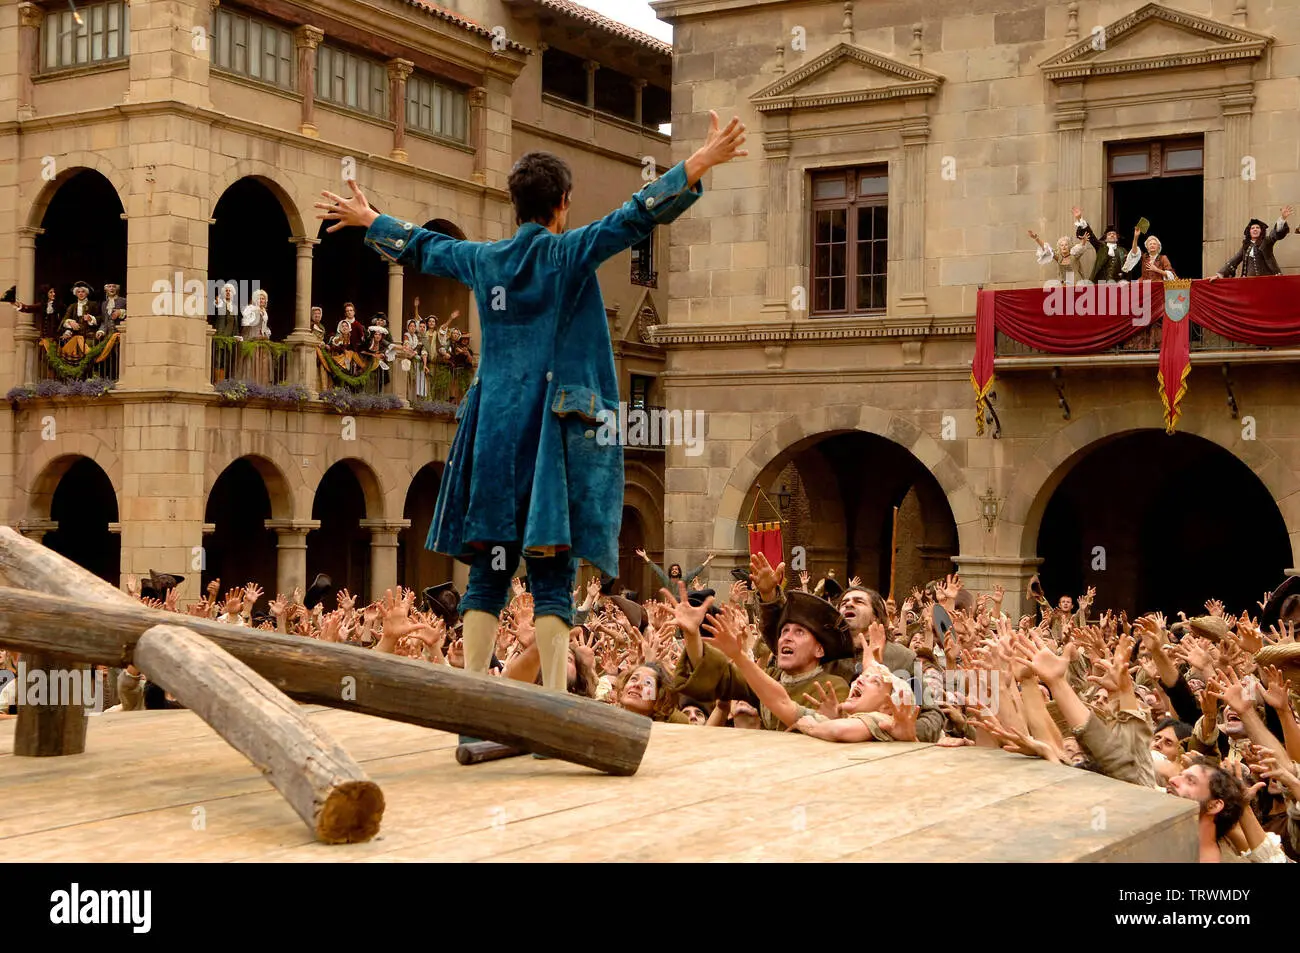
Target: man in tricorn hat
column 1255, row 257
column 810, row 635
column 1112, row 260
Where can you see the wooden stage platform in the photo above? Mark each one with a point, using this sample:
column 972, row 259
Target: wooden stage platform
column 162, row 786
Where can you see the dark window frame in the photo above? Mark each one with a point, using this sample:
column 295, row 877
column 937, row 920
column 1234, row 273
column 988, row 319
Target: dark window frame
column 643, row 263
column 858, row 210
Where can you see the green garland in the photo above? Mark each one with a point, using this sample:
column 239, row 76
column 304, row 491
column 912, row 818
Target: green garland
column 343, row 377
column 247, row 348
column 73, row 371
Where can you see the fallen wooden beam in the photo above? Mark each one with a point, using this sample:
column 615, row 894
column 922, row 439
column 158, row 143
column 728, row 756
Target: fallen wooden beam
column 52, row 725
column 313, row 772
column 572, row 729
column 344, row 676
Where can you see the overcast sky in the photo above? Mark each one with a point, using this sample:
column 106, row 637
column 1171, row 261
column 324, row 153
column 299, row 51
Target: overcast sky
column 636, row 13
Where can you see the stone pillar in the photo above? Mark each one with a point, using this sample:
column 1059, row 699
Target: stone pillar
column 1069, row 157
column 638, row 110
column 982, row 573
column 306, row 39
column 395, row 275
column 30, row 18
column 478, row 132
column 1237, row 104
column 209, row 332
column 778, row 284
column 304, row 354
column 911, row 267
column 26, row 332
column 398, row 71
column 591, row 66
column 383, row 553
column 291, row 553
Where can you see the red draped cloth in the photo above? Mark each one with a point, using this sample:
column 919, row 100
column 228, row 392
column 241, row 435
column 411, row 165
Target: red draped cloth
column 1260, row 311
column 767, row 538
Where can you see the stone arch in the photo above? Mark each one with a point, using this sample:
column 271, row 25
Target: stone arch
column 644, row 492
column 275, row 180
column 817, row 422
column 1057, row 454
column 372, row 485
column 49, row 466
column 272, row 474
column 67, row 165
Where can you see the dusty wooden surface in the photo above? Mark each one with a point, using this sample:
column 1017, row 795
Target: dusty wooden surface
column 346, row 676
column 161, row 786
column 318, row 778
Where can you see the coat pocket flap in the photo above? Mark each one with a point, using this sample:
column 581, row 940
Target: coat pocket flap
column 584, row 402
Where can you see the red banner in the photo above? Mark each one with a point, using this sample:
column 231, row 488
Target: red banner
column 767, row 538
column 1088, row 318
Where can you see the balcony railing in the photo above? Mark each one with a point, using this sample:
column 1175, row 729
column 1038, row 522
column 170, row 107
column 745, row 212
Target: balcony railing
column 653, row 434
column 102, row 360
column 647, row 279
column 264, row 363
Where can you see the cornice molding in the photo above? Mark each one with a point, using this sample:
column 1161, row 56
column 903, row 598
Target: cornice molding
column 782, row 94
column 1228, row 44
column 814, row 331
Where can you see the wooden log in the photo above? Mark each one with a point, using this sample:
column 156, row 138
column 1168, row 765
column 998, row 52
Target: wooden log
column 49, row 730
column 477, row 752
column 344, row 676
column 313, row 772
column 54, row 726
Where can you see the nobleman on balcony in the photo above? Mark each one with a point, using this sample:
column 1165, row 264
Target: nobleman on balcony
column 113, row 308
column 1112, row 259
column 1255, row 257
column 526, row 475
column 80, row 321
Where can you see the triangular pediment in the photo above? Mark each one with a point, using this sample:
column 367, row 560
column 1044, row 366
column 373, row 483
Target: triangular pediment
column 842, row 76
column 1155, row 37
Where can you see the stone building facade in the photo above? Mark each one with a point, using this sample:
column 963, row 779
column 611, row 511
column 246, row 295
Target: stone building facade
column 924, row 141
column 189, row 140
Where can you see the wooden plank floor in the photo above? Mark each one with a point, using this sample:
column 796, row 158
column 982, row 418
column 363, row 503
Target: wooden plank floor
column 162, row 786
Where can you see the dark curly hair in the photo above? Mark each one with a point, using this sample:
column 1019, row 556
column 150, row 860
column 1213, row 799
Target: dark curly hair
column 538, row 184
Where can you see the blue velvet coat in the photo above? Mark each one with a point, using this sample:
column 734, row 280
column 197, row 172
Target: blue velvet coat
column 525, row 466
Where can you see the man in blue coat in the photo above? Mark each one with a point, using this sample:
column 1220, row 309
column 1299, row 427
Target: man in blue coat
column 526, row 475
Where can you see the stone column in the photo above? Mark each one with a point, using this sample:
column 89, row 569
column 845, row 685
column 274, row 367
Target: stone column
column 301, row 338
column 911, row 292
column 778, row 284
column 591, row 66
column 639, row 111
column 383, row 553
column 398, row 71
column 30, row 18
column 209, row 332
column 1237, row 104
column 26, row 332
column 1069, row 157
column 306, row 39
column 291, row 553
column 982, row 573
column 396, row 274
column 478, row 132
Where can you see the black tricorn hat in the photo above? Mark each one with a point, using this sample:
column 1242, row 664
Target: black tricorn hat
column 1111, row 228
column 1081, row 230
column 1263, row 228
column 1272, row 613
column 444, row 601
column 696, row 598
column 159, row 584
column 832, row 588
column 81, row 284
column 820, row 618
column 321, row 587
column 740, row 575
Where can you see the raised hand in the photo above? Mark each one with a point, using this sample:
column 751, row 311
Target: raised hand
column 825, row 703
column 720, row 145
column 687, row 616
column 803, row 580
column 999, row 592
column 876, row 641
column 855, row 582
column 278, row 606
column 214, row 587
column 1274, row 688
column 346, row 212
column 252, row 592
column 584, row 644
column 1214, row 607
column 641, row 553
column 234, row 602
column 1235, row 692
column 766, row 579
column 903, row 720
column 346, row 600
column 330, row 625
column 726, row 635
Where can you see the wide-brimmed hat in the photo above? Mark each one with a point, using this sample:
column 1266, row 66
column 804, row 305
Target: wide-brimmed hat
column 1263, row 228
column 1034, row 589
column 81, row 284
column 820, row 618
column 1212, row 627
column 1286, row 657
column 443, row 601
column 832, row 588
column 1272, row 612
column 159, row 584
column 320, row 587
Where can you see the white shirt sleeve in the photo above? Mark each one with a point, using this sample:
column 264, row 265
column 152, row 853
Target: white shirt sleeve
column 251, row 317
column 1132, row 259
column 1045, row 254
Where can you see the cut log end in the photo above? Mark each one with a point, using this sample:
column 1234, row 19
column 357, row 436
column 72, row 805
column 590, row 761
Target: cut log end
column 351, row 814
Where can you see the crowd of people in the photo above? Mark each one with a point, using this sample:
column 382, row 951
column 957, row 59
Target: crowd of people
column 77, row 325
column 1203, row 708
